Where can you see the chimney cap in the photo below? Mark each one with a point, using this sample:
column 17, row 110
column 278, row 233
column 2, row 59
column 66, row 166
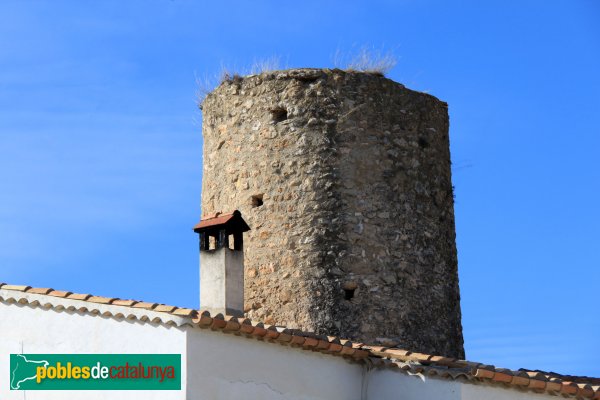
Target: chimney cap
column 231, row 222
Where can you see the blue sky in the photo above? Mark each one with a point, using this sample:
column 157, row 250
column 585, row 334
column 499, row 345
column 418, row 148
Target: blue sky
column 101, row 147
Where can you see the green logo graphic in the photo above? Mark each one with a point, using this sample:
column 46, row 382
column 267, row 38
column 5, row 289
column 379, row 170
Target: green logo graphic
column 95, row 372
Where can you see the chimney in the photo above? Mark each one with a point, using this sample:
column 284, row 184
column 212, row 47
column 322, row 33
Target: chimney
column 222, row 262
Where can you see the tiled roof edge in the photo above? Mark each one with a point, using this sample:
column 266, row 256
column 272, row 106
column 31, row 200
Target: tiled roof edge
column 403, row 360
column 446, row 367
column 175, row 316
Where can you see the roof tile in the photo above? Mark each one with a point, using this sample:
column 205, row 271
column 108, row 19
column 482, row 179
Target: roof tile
column 203, row 319
column 323, row 345
column 40, row 290
column 585, row 390
column 19, row 288
column 185, row 312
column 101, row 300
column 484, row 373
column 145, row 306
column 335, row 347
column 298, row 340
column 164, row 308
column 503, row 377
column 124, row 303
column 59, row 293
column 536, row 384
column 79, row 296
column 218, row 322
column 310, row 342
column 569, row 388
column 554, row 385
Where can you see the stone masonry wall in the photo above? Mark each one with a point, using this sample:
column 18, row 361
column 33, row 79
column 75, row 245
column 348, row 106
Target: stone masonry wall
column 344, row 178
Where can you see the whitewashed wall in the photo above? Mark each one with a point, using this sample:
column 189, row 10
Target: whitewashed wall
column 392, row 385
column 219, row 366
column 229, row 367
column 35, row 330
column 215, row 365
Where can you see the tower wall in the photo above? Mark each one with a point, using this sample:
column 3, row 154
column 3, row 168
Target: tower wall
column 344, row 178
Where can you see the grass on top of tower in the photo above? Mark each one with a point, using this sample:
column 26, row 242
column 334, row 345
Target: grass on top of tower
column 366, row 59
column 207, row 84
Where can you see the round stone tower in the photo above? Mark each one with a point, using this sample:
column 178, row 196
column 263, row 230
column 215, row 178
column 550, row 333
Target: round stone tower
column 344, row 178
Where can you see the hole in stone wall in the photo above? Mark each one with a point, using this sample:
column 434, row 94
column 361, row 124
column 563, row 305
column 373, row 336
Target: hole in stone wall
column 257, row 200
column 423, row 143
column 279, row 114
column 348, row 294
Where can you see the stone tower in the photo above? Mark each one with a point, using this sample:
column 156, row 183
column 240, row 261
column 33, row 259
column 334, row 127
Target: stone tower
column 344, row 178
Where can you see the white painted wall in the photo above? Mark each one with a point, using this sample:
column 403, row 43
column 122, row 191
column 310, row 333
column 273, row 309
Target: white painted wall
column 229, row 367
column 214, row 365
column 24, row 329
column 219, row 366
column 393, row 385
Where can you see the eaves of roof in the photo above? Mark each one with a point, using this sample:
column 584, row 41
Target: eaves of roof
column 381, row 357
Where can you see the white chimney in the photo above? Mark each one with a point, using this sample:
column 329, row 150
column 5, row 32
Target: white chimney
column 222, row 262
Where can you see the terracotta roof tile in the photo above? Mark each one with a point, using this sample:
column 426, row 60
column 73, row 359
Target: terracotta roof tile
column 322, row 345
column 259, row 331
column 101, row 300
column 231, row 324
column 536, row 375
column 271, row 332
column 79, row 296
column 520, row 379
column 246, row 328
column 124, row 303
column 19, row 288
column 585, row 390
column 185, row 312
column 285, row 335
column 298, row 340
column 335, row 347
column 484, row 374
column 164, row 308
column 553, row 385
column 503, row 377
column 219, row 218
column 536, row 384
column 59, row 293
column 218, row 322
column 569, row 388
column 203, row 319
column 40, row 290
column 310, row 342
column 144, row 305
